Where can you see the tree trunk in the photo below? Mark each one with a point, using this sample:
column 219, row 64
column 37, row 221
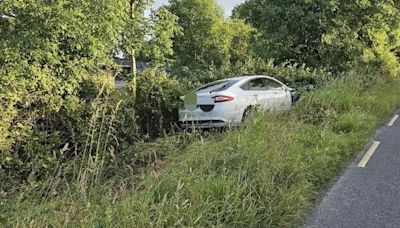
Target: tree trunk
column 133, row 56
column 133, row 73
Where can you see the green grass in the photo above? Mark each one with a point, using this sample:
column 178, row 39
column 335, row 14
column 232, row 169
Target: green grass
column 265, row 174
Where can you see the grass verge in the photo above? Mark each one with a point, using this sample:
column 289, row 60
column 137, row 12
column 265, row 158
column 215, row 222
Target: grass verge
column 263, row 174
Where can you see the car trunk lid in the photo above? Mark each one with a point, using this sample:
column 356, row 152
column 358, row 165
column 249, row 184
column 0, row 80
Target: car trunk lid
column 204, row 101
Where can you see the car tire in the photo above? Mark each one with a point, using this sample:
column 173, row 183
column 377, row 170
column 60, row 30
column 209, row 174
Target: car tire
column 247, row 112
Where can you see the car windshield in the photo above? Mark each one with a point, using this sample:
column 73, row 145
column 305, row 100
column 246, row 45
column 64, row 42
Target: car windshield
column 216, row 86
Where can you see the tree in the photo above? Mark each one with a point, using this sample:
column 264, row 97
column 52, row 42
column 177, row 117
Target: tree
column 336, row 33
column 205, row 39
column 149, row 37
column 242, row 54
column 163, row 28
column 134, row 34
column 48, row 51
column 290, row 29
column 365, row 33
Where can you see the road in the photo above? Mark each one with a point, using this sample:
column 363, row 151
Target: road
column 368, row 193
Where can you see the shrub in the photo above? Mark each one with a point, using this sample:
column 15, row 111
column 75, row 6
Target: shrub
column 53, row 137
column 294, row 75
column 157, row 102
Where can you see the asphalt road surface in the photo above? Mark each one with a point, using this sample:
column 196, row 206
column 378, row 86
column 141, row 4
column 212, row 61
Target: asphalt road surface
column 368, row 193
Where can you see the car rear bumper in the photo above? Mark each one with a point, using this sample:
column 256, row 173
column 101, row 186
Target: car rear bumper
column 215, row 118
column 206, row 124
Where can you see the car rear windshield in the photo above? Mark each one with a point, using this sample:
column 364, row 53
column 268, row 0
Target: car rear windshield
column 216, row 86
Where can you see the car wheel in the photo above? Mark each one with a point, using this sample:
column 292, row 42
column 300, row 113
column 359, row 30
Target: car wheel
column 247, row 112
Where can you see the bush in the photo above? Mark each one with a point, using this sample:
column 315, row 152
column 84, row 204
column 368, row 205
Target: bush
column 51, row 138
column 100, row 122
column 294, row 75
column 297, row 76
column 157, row 102
column 45, row 58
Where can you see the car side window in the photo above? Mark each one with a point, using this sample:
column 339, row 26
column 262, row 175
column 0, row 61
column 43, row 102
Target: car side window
column 273, row 85
column 245, row 86
column 261, row 84
column 257, row 85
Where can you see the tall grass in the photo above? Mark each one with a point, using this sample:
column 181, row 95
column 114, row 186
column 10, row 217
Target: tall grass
column 264, row 174
column 98, row 146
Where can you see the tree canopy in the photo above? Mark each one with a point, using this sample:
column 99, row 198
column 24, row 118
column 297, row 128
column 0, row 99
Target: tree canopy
column 205, row 38
column 336, row 33
column 47, row 49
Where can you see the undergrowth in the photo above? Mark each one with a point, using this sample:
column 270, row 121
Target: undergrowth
column 264, row 174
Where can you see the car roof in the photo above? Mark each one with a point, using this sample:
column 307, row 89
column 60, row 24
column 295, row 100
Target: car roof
column 240, row 78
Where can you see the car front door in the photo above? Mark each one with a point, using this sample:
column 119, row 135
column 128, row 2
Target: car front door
column 281, row 98
column 257, row 91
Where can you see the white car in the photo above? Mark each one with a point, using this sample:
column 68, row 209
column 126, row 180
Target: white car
column 226, row 102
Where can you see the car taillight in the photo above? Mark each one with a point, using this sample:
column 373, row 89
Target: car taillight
column 219, row 99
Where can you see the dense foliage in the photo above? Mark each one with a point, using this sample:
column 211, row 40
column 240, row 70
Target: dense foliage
column 46, row 55
column 205, row 38
column 208, row 40
column 336, row 34
column 56, row 59
column 158, row 102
